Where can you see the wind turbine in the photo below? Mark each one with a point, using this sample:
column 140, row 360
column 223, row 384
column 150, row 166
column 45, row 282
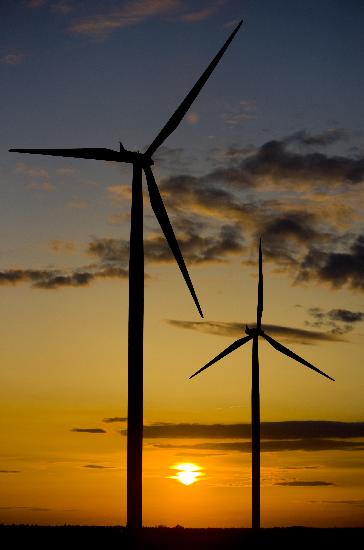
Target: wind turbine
column 142, row 162
column 253, row 334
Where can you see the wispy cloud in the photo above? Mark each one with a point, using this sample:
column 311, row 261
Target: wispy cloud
column 97, row 467
column 313, row 445
column 240, row 113
column 63, row 7
column 31, row 171
column 89, row 430
column 12, row 58
column 287, row 430
column 113, row 419
column 298, row 483
column 131, row 13
column 9, row 471
column 42, row 186
column 322, row 139
column 339, row 321
column 204, row 13
column 288, row 334
column 62, row 246
column 34, row 3
column 49, row 279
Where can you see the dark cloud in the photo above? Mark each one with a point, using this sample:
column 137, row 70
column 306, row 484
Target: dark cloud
column 233, row 201
column 336, row 268
column 9, row 471
column 196, row 246
column 115, row 419
column 328, row 137
column 275, row 163
column 339, row 321
column 309, row 445
column 304, row 483
column 300, row 468
column 288, row 334
column 55, row 279
column 299, row 429
column 97, row 467
column 89, row 430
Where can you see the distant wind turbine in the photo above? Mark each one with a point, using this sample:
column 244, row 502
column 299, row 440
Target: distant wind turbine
column 140, row 162
column 253, row 334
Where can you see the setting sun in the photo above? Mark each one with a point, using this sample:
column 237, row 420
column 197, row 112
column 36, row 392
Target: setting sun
column 187, row 473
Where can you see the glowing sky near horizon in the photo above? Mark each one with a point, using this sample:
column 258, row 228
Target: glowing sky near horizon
column 274, row 146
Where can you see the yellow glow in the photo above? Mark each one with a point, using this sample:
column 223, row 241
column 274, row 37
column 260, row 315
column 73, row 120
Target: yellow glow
column 187, row 473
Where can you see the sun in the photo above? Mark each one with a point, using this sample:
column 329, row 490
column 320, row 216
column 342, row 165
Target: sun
column 187, row 473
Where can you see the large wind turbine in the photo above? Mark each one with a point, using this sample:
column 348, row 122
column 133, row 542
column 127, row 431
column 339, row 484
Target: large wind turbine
column 253, row 334
column 142, row 162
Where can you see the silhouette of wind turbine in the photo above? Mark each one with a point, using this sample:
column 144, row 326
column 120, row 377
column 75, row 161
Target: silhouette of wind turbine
column 253, row 334
column 142, row 162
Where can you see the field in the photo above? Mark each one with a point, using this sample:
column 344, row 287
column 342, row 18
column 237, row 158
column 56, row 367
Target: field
column 176, row 538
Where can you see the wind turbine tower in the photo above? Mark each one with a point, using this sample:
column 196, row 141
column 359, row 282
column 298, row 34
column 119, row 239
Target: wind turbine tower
column 253, row 334
column 142, row 162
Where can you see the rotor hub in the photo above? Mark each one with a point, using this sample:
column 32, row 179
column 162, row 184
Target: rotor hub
column 253, row 331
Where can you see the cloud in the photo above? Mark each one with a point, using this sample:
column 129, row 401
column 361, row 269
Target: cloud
column 340, row 321
column 304, row 483
column 297, row 239
column 308, row 445
column 9, row 471
column 45, row 279
column 287, row 334
column 34, row 3
column 63, row 7
column 89, row 430
column 43, row 186
column 196, row 246
column 62, row 246
column 12, row 58
column 201, row 15
column 97, row 467
column 275, row 163
column 131, row 13
column 115, row 419
column 336, row 268
column 327, row 137
column 53, row 279
column 220, row 213
column 31, row 171
column 240, row 113
column 309, row 430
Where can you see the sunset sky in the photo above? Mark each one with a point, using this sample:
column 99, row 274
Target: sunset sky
column 272, row 147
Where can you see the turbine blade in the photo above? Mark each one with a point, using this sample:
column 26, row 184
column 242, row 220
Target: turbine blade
column 237, row 344
column 260, row 287
column 97, row 153
column 180, row 112
column 294, row 356
column 163, row 219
